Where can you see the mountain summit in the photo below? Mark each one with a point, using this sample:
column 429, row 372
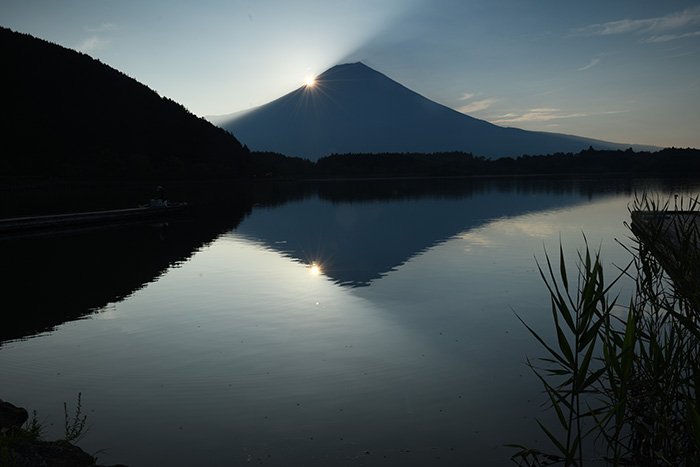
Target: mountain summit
column 352, row 108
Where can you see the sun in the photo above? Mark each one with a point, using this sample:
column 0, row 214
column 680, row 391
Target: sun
column 310, row 81
column 315, row 269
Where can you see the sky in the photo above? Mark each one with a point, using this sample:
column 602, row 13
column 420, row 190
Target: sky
column 619, row 70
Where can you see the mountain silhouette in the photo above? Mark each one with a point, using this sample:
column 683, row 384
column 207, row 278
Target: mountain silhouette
column 67, row 114
column 352, row 108
column 361, row 237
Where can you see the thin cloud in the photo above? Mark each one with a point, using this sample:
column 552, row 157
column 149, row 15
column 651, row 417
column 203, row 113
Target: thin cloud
column 466, row 96
column 543, row 93
column 547, row 114
column 104, row 27
column 593, row 63
column 670, row 22
column 91, row 44
column 536, row 115
column 477, row 106
column 672, row 37
column 683, row 54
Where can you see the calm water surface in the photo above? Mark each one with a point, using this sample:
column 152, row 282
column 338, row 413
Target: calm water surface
column 336, row 329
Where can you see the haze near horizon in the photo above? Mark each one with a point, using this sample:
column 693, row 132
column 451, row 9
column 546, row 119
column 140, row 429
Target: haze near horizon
column 618, row 71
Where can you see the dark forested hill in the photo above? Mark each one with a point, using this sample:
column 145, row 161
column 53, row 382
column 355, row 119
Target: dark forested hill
column 66, row 114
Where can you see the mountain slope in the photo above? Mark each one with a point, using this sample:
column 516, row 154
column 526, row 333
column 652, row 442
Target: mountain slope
column 355, row 109
column 66, row 114
column 357, row 242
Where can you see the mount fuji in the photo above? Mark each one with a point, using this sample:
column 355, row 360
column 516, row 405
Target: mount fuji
column 352, row 108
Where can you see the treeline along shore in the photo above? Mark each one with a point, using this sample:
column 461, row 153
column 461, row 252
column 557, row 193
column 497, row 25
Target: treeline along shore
column 665, row 162
column 271, row 176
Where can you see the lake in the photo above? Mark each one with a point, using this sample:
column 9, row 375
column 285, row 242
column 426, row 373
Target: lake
column 359, row 323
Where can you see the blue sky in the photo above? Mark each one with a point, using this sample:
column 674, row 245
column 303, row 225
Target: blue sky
column 618, row 70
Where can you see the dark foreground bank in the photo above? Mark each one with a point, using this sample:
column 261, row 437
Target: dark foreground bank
column 21, row 444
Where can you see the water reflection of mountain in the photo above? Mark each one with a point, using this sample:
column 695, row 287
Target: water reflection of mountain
column 360, row 231
column 52, row 279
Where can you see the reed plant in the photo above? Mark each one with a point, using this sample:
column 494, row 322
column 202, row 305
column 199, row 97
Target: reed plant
column 624, row 381
column 24, row 446
column 75, row 424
